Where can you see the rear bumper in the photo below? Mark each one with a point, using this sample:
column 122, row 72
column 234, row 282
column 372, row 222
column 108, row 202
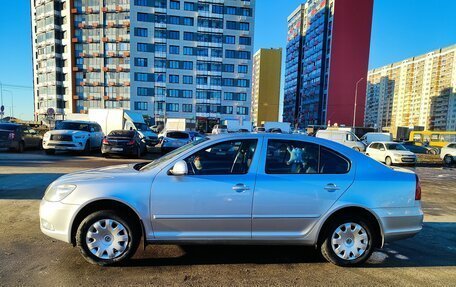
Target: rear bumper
column 400, row 223
column 125, row 149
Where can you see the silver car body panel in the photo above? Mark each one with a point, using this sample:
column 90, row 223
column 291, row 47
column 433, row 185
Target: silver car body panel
column 275, row 209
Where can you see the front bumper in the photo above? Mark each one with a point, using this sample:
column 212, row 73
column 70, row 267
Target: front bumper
column 63, row 145
column 404, row 160
column 56, row 219
column 400, row 223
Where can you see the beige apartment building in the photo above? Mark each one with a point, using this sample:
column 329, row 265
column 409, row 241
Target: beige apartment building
column 418, row 91
column 266, row 85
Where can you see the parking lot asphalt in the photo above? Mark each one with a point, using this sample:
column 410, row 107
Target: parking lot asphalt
column 29, row 258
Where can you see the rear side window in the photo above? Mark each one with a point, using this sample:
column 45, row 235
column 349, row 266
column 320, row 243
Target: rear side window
column 297, row 157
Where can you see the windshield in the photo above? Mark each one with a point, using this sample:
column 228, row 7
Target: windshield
column 395, row 147
column 174, row 153
column 142, row 127
column 73, row 126
column 177, row 135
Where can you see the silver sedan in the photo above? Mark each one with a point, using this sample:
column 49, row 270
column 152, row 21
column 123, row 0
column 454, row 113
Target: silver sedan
column 238, row 189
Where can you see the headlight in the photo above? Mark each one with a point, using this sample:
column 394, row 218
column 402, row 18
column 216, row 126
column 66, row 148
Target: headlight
column 58, row 192
column 47, row 136
column 397, row 155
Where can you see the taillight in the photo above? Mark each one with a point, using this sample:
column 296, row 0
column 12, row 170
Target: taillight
column 11, row 136
column 105, row 141
column 132, row 142
column 418, row 188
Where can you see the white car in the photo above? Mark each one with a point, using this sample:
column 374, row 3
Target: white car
column 171, row 140
column 390, row 153
column 347, row 138
column 219, row 129
column 81, row 136
column 368, row 138
column 448, row 153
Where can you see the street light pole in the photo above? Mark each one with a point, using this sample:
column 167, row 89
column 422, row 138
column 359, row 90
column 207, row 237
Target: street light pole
column 1, row 98
column 356, row 99
column 12, row 102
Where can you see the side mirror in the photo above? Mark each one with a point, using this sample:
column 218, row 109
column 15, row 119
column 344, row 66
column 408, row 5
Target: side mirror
column 180, row 168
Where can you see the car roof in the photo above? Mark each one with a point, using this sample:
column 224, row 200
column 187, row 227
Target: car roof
column 385, row 142
column 78, row 122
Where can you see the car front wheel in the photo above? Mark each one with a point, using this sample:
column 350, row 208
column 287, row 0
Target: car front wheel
column 348, row 241
column 448, row 159
column 388, row 161
column 105, row 238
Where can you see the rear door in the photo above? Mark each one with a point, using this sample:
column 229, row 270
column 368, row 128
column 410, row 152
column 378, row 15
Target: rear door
column 297, row 183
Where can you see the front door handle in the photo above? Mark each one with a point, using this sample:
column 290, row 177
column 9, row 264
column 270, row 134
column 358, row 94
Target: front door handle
column 240, row 187
column 331, row 187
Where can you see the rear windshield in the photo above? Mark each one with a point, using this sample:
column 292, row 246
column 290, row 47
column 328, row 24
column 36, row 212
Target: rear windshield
column 8, row 127
column 177, row 135
column 121, row 133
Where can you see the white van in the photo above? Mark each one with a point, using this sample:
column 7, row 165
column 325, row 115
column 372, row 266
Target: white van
column 368, row 138
column 346, row 138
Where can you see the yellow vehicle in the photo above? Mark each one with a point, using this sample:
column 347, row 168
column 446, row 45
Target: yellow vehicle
column 432, row 138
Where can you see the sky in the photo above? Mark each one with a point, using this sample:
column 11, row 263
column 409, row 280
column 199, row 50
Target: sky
column 400, row 29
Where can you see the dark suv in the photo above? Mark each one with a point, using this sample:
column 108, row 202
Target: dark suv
column 18, row 137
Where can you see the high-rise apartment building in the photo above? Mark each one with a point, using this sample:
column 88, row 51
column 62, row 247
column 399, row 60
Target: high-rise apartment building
column 418, row 91
column 164, row 58
column 267, row 65
column 326, row 62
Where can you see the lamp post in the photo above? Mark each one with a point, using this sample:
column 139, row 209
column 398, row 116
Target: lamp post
column 12, row 102
column 356, row 99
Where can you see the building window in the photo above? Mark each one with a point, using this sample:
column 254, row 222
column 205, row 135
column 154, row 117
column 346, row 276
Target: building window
column 229, row 39
column 189, row 6
column 174, row 5
column 145, row 92
column 172, row 107
column 228, row 68
column 188, row 51
column 141, row 106
column 243, row 69
column 243, row 26
column 227, row 110
column 145, row 47
column 174, row 50
column 188, row 36
column 174, row 79
column 174, row 35
column 160, row 48
column 187, row 65
column 141, row 62
column 187, row 108
column 187, row 80
column 141, row 32
column 242, row 110
column 245, row 41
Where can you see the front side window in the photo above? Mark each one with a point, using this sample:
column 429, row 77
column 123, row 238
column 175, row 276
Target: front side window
column 230, row 157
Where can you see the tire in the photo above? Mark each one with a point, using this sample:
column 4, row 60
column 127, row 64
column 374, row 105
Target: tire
column 126, row 239
column 86, row 150
column 40, row 145
column 388, row 161
column 20, row 147
column 49, row 151
column 448, row 159
column 364, row 238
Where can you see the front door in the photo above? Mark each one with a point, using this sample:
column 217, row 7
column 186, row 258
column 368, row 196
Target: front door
column 297, row 183
column 214, row 200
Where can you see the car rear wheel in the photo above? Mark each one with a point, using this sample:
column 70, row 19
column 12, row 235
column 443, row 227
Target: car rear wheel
column 388, row 161
column 348, row 241
column 448, row 159
column 106, row 238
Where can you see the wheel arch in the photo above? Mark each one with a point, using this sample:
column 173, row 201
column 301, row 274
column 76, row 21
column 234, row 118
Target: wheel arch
column 104, row 204
column 353, row 210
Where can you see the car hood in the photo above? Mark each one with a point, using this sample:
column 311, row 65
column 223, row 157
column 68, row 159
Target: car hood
column 402, row 152
column 67, row 132
column 104, row 173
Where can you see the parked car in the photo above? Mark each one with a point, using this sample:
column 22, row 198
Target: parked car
column 171, row 140
column 259, row 130
column 346, row 138
column 368, row 138
column 219, row 129
column 122, row 142
column 80, row 136
column 448, row 153
column 275, row 130
column 390, row 153
column 233, row 189
column 18, row 137
column 411, row 146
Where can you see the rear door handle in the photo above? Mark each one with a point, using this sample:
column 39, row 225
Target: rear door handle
column 331, row 187
column 240, row 187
